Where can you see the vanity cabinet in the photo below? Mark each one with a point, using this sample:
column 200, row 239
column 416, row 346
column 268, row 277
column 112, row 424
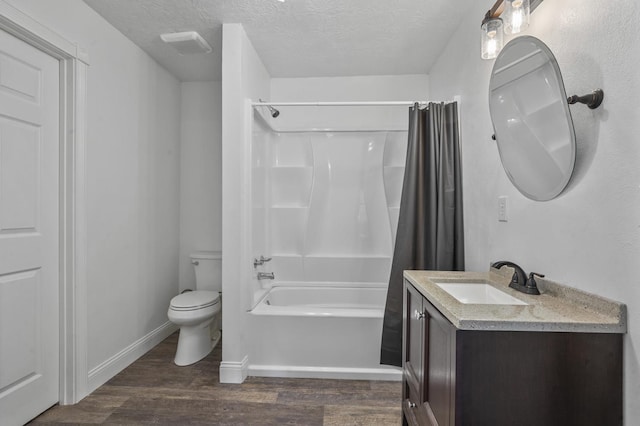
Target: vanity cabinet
column 484, row 377
column 429, row 355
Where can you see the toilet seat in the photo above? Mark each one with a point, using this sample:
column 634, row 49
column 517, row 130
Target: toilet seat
column 194, row 300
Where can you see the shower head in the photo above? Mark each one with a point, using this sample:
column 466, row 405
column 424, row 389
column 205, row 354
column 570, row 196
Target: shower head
column 274, row 112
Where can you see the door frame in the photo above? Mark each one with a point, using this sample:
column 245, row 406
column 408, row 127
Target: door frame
column 73, row 370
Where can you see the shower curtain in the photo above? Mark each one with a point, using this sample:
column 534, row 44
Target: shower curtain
column 430, row 225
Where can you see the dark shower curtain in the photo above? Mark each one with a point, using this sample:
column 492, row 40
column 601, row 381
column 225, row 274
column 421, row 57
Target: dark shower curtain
column 430, row 225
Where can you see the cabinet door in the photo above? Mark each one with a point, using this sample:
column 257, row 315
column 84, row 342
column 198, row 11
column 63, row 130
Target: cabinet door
column 429, row 362
column 439, row 369
column 414, row 341
column 413, row 358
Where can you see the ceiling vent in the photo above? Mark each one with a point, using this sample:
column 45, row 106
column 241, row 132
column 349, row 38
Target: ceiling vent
column 187, row 43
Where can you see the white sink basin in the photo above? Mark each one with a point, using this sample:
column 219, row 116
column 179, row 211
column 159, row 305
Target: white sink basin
column 478, row 293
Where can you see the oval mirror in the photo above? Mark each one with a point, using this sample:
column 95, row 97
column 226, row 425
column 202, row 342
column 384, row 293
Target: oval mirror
column 531, row 119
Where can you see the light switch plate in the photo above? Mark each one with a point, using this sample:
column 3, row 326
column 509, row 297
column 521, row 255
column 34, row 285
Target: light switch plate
column 502, row 209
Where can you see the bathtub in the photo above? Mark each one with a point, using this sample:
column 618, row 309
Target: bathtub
column 319, row 331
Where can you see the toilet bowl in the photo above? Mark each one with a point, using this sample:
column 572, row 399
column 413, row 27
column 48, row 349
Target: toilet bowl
column 194, row 312
column 198, row 312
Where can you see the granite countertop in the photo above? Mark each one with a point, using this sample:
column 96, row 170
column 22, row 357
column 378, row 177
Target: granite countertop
column 558, row 308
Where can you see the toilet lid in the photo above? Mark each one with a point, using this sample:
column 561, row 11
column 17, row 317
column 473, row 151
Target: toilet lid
column 194, row 300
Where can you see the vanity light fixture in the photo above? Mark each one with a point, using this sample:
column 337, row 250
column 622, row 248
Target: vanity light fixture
column 508, row 16
column 491, row 37
column 491, row 42
column 515, row 16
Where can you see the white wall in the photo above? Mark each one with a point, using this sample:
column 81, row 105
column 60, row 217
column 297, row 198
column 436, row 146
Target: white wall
column 589, row 236
column 200, row 174
column 356, row 88
column 133, row 178
column 245, row 78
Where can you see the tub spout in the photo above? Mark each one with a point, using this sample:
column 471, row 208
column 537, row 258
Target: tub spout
column 266, row 276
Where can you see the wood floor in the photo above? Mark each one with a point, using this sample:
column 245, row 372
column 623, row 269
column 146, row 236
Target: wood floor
column 155, row 391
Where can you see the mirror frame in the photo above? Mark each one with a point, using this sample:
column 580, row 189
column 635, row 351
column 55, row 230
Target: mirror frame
column 501, row 139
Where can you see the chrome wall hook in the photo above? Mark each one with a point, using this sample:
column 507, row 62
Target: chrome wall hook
column 592, row 100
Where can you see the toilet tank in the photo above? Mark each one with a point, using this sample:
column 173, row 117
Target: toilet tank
column 208, row 268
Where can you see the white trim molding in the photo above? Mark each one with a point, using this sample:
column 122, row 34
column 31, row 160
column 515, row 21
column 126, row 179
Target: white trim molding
column 73, row 77
column 99, row 375
column 234, row 372
column 21, row 25
column 382, row 373
column 73, row 308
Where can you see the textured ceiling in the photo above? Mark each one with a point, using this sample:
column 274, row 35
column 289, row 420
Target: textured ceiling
column 295, row 38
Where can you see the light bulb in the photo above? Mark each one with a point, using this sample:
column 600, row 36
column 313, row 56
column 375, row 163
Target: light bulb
column 516, row 21
column 491, row 38
column 491, row 48
column 516, row 16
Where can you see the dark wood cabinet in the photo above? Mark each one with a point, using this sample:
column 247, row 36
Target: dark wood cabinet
column 429, row 355
column 468, row 377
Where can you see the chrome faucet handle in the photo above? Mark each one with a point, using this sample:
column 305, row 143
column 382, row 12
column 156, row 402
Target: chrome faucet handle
column 257, row 262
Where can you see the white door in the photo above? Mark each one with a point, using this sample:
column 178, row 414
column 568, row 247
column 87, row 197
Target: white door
column 29, row 278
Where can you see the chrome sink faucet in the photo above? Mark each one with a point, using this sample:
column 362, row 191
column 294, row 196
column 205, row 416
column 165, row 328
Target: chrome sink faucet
column 519, row 279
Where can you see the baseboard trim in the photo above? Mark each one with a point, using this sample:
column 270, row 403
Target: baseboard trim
column 234, row 372
column 101, row 374
column 382, row 373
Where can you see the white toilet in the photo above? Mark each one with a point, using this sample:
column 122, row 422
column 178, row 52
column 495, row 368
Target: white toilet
column 198, row 312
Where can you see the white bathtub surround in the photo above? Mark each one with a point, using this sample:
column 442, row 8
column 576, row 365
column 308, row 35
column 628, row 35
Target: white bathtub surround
column 328, row 203
column 325, row 206
column 320, row 331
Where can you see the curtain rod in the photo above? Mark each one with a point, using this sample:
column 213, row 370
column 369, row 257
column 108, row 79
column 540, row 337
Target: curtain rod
column 374, row 103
